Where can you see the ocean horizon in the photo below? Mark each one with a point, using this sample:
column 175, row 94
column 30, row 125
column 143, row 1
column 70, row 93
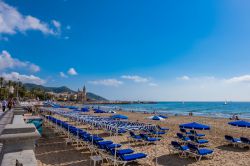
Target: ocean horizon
column 219, row 109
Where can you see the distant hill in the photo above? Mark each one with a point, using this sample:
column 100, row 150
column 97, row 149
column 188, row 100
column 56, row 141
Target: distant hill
column 62, row 89
column 93, row 96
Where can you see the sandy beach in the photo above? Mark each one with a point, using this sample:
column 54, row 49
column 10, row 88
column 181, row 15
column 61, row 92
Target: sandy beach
column 224, row 154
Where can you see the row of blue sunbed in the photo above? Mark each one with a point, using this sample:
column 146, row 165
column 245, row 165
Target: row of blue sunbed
column 189, row 149
column 190, row 138
column 109, row 150
column 189, row 144
column 191, row 132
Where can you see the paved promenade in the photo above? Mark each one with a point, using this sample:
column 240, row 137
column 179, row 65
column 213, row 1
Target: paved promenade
column 5, row 118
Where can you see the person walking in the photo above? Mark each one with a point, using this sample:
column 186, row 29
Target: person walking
column 10, row 104
column 4, row 105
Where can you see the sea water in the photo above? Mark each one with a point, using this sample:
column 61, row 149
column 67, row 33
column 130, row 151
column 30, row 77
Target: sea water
column 211, row 109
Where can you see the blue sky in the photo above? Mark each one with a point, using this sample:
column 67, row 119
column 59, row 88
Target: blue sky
column 130, row 50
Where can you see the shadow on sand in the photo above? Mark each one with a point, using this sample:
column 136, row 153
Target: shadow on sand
column 104, row 135
column 54, row 151
column 173, row 159
column 232, row 148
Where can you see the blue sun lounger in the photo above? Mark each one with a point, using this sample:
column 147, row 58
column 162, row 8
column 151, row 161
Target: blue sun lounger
column 198, row 153
column 113, row 149
column 245, row 141
column 121, row 151
column 162, row 128
column 182, row 150
column 182, row 137
column 184, row 131
column 198, row 141
column 232, row 140
column 193, row 132
column 126, row 158
column 122, row 156
column 154, row 132
column 112, row 146
column 135, row 137
column 148, row 139
column 103, row 144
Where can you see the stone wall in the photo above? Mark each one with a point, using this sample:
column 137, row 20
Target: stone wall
column 18, row 140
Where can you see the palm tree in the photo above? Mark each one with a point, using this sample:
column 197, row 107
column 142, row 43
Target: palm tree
column 1, row 82
column 1, row 86
column 15, row 87
column 9, row 83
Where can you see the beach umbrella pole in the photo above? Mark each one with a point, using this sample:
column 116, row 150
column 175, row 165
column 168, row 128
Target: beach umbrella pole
column 156, row 162
column 77, row 137
column 68, row 131
column 115, row 146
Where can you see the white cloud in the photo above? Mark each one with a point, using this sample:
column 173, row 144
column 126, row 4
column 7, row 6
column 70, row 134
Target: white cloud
column 34, row 68
column 153, row 84
column 239, row 79
column 57, row 24
column 72, row 71
column 12, row 21
column 63, row 75
column 7, row 62
column 15, row 76
column 107, row 82
column 135, row 78
column 184, row 78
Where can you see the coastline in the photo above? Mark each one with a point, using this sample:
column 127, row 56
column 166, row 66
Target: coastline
column 207, row 109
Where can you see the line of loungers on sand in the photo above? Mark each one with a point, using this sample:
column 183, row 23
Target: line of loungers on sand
column 190, row 143
column 107, row 149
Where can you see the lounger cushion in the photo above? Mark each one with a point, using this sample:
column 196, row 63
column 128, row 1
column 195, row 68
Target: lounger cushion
column 202, row 141
column 96, row 139
column 131, row 157
column 185, row 139
column 164, row 128
column 184, row 148
column 103, row 144
column 204, row 151
column 159, row 132
column 112, row 146
column 236, row 140
column 245, row 140
column 124, row 151
column 136, row 137
column 230, row 138
column 122, row 131
column 152, row 139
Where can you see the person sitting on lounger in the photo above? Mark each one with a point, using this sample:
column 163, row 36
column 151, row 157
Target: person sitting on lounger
column 234, row 117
